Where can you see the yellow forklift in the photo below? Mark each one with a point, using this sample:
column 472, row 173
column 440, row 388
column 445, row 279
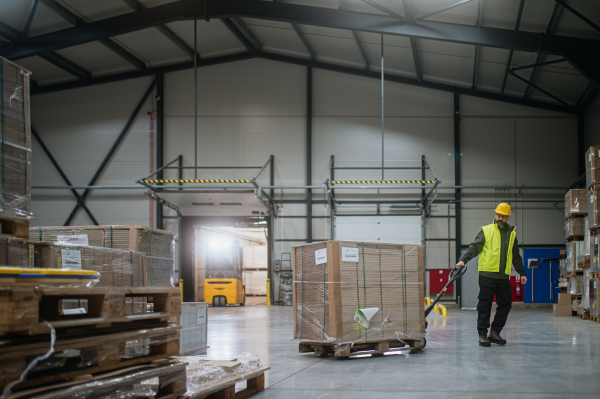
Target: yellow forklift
column 223, row 279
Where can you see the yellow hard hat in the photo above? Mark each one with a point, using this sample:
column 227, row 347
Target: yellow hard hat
column 503, row 209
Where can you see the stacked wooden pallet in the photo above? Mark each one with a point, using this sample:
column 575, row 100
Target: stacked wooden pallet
column 103, row 338
column 335, row 281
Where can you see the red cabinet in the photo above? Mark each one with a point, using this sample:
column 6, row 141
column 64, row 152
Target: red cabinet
column 438, row 279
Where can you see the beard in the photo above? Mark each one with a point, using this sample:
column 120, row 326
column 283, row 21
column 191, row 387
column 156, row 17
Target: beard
column 500, row 224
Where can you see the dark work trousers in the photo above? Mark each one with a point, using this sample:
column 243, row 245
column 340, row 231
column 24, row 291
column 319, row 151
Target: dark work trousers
column 488, row 287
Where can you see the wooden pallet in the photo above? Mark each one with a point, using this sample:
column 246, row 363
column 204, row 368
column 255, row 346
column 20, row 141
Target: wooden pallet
column 594, row 275
column 585, row 316
column 595, row 319
column 14, row 226
column 75, row 357
column 575, row 238
column 21, row 309
column 171, row 374
column 225, row 389
column 343, row 351
column 574, row 273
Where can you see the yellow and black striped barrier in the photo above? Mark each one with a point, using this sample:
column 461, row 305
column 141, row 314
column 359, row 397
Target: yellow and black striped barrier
column 195, row 181
column 383, row 182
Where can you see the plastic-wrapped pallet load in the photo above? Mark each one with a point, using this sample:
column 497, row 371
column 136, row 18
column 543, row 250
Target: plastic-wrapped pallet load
column 575, row 203
column 574, row 249
column 159, row 246
column 255, row 282
column 14, row 252
column 117, row 268
column 592, row 166
column 357, row 292
column 193, row 328
column 562, row 268
column 255, row 257
column 574, row 285
column 15, row 141
column 593, row 209
column 574, row 227
column 584, row 307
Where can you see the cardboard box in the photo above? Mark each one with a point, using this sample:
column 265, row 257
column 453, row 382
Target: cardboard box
column 575, row 227
column 592, row 166
column 562, row 310
column 334, row 280
column 564, row 299
column 575, row 203
column 574, row 249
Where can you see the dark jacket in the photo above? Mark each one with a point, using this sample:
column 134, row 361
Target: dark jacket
column 477, row 246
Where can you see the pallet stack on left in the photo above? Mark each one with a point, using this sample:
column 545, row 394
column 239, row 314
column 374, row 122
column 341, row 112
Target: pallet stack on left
column 74, row 320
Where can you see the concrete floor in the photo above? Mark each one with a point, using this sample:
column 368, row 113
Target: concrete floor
column 546, row 357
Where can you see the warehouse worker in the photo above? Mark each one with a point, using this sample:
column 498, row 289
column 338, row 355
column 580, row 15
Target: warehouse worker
column 497, row 247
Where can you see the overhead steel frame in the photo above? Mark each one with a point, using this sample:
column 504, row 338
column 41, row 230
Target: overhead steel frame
column 582, row 53
column 112, row 150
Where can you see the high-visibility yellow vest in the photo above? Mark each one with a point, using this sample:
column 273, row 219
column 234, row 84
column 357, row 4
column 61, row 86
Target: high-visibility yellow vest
column 489, row 258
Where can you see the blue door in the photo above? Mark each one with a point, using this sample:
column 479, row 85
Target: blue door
column 546, row 276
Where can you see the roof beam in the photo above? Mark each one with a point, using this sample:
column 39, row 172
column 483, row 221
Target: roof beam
column 247, row 33
column 558, row 9
column 477, row 49
column 413, row 42
column 25, row 32
column 304, row 41
column 578, row 14
column 510, row 55
column 304, row 62
column 167, row 32
column 385, row 10
column 583, row 54
column 68, row 66
column 119, row 77
column 460, row 3
column 303, row 38
column 414, row 82
column 529, row 82
column 81, row 23
column 238, row 33
column 357, row 39
column 303, row 15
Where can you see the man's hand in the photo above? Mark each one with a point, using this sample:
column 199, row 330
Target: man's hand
column 459, row 264
column 523, row 279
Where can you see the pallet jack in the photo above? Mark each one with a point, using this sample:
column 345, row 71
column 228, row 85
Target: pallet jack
column 455, row 274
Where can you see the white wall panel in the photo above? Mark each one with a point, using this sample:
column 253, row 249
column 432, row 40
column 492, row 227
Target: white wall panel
column 79, row 127
column 249, row 110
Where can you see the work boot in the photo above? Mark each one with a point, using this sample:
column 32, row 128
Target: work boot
column 483, row 341
column 496, row 338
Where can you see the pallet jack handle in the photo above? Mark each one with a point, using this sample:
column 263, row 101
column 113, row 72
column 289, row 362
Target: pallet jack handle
column 455, row 274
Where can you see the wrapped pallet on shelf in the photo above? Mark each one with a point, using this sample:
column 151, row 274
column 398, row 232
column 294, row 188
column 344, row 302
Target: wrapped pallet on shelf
column 592, row 166
column 562, row 266
column 348, row 293
column 574, row 249
column 593, row 209
column 583, row 310
column 159, row 246
column 574, row 228
column 15, row 146
column 594, row 311
column 575, row 203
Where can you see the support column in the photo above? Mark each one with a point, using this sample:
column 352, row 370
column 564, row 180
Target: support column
column 457, row 193
column 309, row 154
column 159, row 142
column 581, row 147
